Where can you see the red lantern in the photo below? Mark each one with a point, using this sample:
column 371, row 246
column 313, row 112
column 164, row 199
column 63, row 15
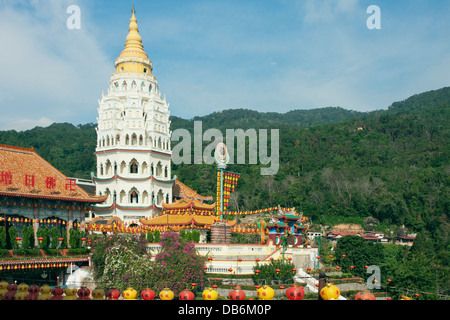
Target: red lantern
column 113, row 294
column 352, row 267
column 295, row 292
column 364, row 295
column 186, row 295
column 83, row 293
column 278, row 271
column 148, row 294
column 57, row 293
column 237, row 294
column 12, row 290
column 33, row 292
column 257, row 272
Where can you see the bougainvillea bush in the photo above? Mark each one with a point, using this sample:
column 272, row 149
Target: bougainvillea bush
column 178, row 264
column 122, row 261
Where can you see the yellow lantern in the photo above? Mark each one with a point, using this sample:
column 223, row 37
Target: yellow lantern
column 3, row 289
column 265, row 293
column 166, row 294
column 71, row 293
column 98, row 294
column 22, row 291
column 130, row 294
column 210, row 294
column 330, row 292
column 45, row 292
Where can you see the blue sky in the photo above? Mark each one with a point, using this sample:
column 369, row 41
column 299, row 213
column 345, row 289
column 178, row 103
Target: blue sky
column 213, row 55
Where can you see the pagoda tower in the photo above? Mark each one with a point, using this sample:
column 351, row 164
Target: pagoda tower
column 133, row 138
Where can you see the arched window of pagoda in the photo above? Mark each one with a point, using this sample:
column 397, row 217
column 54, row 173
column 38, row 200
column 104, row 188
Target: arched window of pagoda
column 134, row 139
column 166, row 172
column 118, row 139
column 108, row 194
column 145, row 197
column 123, row 167
column 101, row 169
column 108, row 167
column 141, row 140
column 144, row 168
column 127, row 139
column 167, row 198
column 134, row 197
column 159, row 197
column 133, row 167
column 159, row 169
column 122, row 196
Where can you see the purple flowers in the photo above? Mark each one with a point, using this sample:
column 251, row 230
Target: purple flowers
column 122, row 260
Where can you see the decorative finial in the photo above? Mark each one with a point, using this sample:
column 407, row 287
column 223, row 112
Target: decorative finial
column 133, row 11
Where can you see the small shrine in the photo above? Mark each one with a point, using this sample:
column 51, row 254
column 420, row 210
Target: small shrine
column 286, row 223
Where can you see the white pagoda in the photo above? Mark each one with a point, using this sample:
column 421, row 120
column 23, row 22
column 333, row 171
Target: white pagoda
column 133, row 139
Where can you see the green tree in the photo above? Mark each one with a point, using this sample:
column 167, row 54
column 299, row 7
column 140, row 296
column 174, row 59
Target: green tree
column 28, row 238
column 3, row 242
column 13, row 234
column 358, row 253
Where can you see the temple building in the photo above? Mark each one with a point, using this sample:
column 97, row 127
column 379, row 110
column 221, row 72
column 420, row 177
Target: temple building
column 287, row 222
column 133, row 139
column 34, row 193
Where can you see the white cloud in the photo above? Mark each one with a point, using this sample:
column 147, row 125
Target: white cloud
column 26, row 124
column 47, row 70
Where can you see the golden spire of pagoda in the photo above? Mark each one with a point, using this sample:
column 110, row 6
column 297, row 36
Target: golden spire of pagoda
column 133, row 51
column 134, row 40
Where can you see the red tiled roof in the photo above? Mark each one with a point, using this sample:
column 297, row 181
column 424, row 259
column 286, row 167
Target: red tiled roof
column 23, row 173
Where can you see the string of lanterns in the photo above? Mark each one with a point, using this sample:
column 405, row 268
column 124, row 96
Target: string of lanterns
column 48, row 221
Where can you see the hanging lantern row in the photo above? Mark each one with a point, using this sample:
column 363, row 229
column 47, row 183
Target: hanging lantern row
column 189, row 211
column 32, row 266
column 236, row 213
column 43, row 205
column 48, row 221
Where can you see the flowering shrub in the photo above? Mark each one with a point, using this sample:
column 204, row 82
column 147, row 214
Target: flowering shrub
column 178, row 264
column 121, row 261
